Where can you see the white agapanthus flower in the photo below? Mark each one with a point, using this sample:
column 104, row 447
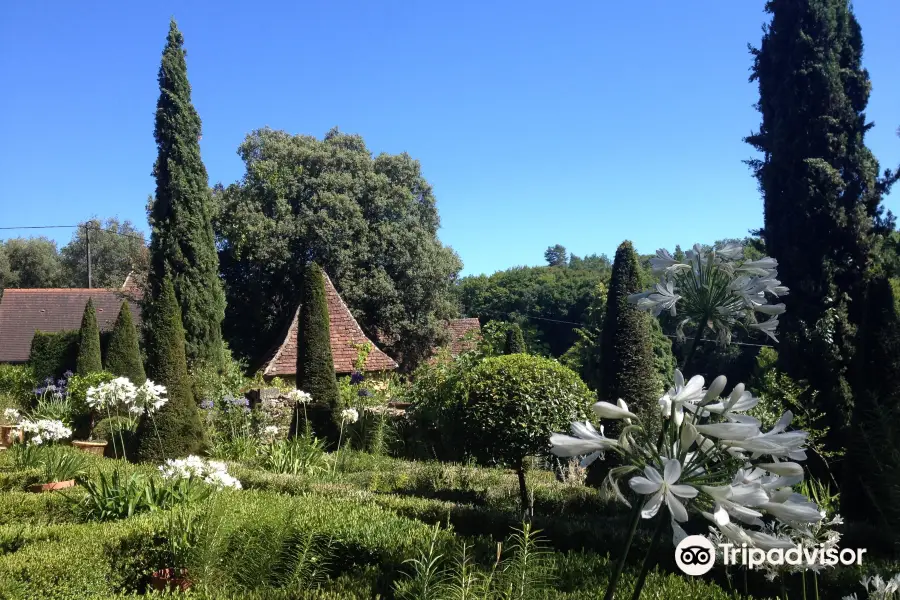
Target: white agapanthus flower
column 12, row 416
column 213, row 472
column 878, row 588
column 270, row 433
column 119, row 392
column 300, row 396
column 149, row 397
column 349, row 415
column 45, row 431
column 688, row 468
column 716, row 289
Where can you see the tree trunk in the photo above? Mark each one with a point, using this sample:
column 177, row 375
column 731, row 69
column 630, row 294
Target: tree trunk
column 526, row 498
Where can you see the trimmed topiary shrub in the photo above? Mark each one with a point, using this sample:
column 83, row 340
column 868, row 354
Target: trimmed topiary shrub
column 52, row 354
column 123, row 356
column 514, row 403
column 627, row 360
column 175, row 430
column 515, row 341
column 315, row 364
column 89, row 359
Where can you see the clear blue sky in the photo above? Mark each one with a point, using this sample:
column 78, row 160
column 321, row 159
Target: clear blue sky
column 583, row 123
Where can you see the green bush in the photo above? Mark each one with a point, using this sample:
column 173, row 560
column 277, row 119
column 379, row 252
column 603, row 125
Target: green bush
column 315, row 364
column 84, row 422
column 515, row 341
column 295, row 456
column 89, row 358
column 514, row 404
column 175, row 430
column 123, row 355
column 52, row 354
column 16, row 385
column 213, row 382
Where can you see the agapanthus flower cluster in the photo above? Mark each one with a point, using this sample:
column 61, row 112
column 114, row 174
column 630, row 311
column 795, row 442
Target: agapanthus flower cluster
column 717, row 289
column 212, row 472
column 821, row 536
column 356, row 377
column 711, row 459
column 269, row 434
column 11, row 415
column 300, row 397
column 878, row 588
column 44, row 431
column 120, row 393
column 349, row 415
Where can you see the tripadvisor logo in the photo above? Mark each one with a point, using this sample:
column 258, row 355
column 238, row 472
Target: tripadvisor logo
column 696, row 555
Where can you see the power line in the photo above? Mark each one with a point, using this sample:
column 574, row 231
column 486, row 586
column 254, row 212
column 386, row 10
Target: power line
column 83, row 226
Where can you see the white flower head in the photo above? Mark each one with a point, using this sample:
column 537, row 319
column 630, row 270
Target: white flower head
column 664, row 489
column 349, row 415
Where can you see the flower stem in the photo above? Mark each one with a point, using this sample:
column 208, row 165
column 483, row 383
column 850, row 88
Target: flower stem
column 337, row 453
column 109, row 417
column 635, row 519
column 690, row 355
column 162, row 450
column 650, row 556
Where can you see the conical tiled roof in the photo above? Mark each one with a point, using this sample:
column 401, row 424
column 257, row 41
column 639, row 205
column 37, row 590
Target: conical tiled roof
column 345, row 332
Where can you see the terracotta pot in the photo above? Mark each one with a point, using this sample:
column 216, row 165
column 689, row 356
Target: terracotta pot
column 170, row 580
column 49, row 487
column 9, row 434
column 97, row 448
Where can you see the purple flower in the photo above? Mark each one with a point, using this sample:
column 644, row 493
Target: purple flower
column 39, row 391
column 356, row 378
column 242, row 401
column 206, row 404
column 364, row 393
column 61, row 383
column 48, row 381
column 68, row 374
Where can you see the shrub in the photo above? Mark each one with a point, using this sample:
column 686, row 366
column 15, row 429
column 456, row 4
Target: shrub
column 52, row 354
column 16, row 384
column 175, row 430
column 123, row 355
column 213, row 382
column 83, row 421
column 627, row 364
column 119, row 496
column 315, row 364
column 515, row 341
column 515, row 403
column 88, row 360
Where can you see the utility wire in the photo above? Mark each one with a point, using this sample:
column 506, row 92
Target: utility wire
column 86, row 227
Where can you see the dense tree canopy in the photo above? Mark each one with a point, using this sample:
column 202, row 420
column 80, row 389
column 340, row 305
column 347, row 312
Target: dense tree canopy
column 540, row 297
column 819, row 184
column 117, row 249
column 182, row 244
column 30, row 263
column 371, row 223
column 556, row 256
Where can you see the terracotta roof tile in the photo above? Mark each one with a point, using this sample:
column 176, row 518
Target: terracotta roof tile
column 459, row 328
column 345, row 332
column 24, row 311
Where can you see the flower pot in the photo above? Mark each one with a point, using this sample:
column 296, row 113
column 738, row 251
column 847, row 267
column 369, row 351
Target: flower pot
column 9, row 434
column 53, row 485
column 170, row 580
column 97, row 448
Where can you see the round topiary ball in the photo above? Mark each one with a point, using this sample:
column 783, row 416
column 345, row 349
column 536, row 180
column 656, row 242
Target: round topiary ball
column 515, row 402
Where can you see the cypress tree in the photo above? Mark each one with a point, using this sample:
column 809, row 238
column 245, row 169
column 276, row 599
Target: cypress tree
column 88, row 360
column 175, row 430
column 820, row 188
column 515, row 341
column 182, row 244
column 123, row 357
column 869, row 492
column 627, row 361
column 315, row 364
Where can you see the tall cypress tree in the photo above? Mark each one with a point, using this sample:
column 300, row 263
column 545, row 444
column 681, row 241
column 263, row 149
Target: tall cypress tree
column 181, row 242
column 88, row 360
column 175, row 430
column 315, row 364
column 820, row 188
column 123, row 357
column 515, row 341
column 627, row 362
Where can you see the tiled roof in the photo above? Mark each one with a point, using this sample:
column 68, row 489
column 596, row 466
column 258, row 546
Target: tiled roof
column 24, row 311
column 345, row 332
column 459, row 328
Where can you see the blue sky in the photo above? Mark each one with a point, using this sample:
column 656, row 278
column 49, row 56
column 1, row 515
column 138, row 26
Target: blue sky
column 583, row 123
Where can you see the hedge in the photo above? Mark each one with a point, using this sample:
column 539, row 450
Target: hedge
column 52, row 354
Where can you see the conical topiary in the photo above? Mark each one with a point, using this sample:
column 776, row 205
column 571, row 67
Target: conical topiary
column 175, row 430
column 515, row 341
column 123, row 356
column 315, row 364
column 89, row 360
